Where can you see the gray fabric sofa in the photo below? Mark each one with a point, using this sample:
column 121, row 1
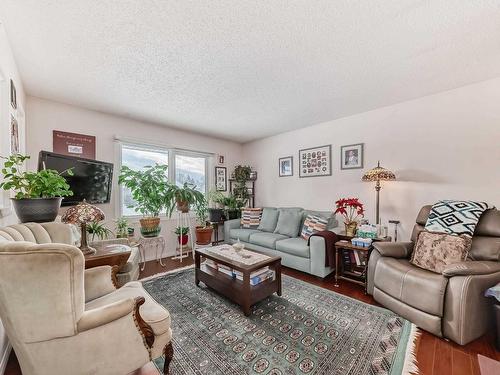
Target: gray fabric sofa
column 293, row 250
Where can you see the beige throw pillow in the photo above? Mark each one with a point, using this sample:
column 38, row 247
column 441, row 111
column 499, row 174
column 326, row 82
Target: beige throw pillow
column 434, row 251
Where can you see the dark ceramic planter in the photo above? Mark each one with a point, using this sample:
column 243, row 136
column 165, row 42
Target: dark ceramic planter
column 233, row 214
column 37, row 210
column 215, row 215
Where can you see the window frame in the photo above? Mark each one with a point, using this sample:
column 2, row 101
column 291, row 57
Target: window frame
column 172, row 152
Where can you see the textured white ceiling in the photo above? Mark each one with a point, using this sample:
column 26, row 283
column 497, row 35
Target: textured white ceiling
column 246, row 69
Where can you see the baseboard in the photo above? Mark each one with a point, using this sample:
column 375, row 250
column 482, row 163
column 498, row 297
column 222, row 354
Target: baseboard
column 5, row 358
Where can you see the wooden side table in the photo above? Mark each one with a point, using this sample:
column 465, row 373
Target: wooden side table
column 215, row 226
column 108, row 255
column 356, row 273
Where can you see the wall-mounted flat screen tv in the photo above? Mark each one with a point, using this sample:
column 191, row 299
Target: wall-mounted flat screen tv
column 91, row 180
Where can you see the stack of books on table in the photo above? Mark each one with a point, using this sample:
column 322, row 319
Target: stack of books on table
column 256, row 277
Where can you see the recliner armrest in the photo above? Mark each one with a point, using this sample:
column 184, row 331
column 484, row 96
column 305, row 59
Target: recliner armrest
column 394, row 249
column 468, row 268
column 99, row 281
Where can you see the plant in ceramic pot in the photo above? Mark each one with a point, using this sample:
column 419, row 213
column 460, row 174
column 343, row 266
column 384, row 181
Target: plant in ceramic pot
column 233, row 206
column 149, row 188
column 97, row 229
column 352, row 210
column 215, row 206
column 182, row 235
column 121, row 227
column 182, row 197
column 203, row 231
column 38, row 195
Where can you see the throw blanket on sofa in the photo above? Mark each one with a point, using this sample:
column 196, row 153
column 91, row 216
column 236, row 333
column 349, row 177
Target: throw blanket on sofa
column 455, row 217
column 330, row 239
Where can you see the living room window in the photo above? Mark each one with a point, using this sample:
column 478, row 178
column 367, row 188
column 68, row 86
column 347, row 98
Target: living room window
column 183, row 166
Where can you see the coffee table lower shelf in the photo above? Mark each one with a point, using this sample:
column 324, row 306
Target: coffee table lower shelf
column 238, row 291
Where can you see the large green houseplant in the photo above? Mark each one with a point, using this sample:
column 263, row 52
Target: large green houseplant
column 233, row 206
column 203, row 231
column 38, row 195
column 182, row 197
column 149, row 188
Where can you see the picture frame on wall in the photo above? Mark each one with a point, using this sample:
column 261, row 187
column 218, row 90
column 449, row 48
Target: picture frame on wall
column 15, row 147
column 13, row 95
column 315, row 161
column 286, row 166
column 351, row 156
column 220, row 179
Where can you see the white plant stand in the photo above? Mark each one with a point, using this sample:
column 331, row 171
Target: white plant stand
column 158, row 243
column 183, row 220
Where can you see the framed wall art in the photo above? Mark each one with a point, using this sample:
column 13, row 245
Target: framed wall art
column 73, row 144
column 220, row 178
column 351, row 156
column 315, row 161
column 286, row 166
column 13, row 95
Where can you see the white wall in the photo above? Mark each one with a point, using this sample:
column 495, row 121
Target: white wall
column 441, row 146
column 8, row 71
column 43, row 116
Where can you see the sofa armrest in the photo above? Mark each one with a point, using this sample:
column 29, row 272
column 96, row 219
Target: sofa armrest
column 99, row 281
column 100, row 316
column 394, row 249
column 468, row 268
column 228, row 225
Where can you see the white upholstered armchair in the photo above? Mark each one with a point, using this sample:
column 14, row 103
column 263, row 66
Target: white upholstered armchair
column 62, row 319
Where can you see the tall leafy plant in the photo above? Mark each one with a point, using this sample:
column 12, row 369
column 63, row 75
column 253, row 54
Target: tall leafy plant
column 186, row 193
column 149, row 188
column 47, row 183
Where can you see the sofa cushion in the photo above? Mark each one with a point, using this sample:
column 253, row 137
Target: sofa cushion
column 328, row 215
column 269, row 219
column 242, row 234
column 250, row 218
column 294, row 246
column 313, row 224
column 434, row 251
column 266, row 239
column 419, row 288
column 289, row 221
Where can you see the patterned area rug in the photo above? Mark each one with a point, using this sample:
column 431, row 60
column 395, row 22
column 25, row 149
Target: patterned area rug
column 309, row 330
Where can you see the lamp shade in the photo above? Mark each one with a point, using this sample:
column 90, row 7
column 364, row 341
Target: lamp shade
column 378, row 174
column 82, row 213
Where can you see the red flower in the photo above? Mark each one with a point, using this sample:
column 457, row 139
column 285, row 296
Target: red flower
column 350, row 208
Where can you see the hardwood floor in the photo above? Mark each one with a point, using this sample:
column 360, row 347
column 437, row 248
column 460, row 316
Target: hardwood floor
column 435, row 356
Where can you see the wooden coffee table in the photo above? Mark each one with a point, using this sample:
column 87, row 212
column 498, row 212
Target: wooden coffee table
column 238, row 291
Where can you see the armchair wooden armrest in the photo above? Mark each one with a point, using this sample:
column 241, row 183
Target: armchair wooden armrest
column 106, row 314
column 468, row 268
column 100, row 281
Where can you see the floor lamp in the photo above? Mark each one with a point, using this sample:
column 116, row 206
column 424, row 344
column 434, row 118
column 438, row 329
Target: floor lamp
column 378, row 174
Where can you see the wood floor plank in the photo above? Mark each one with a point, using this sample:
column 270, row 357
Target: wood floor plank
column 425, row 353
column 442, row 358
column 461, row 362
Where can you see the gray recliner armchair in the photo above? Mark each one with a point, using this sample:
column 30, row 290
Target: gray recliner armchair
column 451, row 304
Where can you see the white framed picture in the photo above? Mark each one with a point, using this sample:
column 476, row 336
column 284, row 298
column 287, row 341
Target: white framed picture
column 351, row 156
column 315, row 161
column 286, row 166
column 220, row 179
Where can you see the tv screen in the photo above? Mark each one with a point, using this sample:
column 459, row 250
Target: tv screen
column 91, row 179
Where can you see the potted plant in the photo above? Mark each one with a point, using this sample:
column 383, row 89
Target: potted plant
column 182, row 197
column 216, row 200
column 38, row 195
column 182, row 235
column 121, row 228
column 95, row 228
column 203, row 231
column 233, row 206
column 241, row 175
column 351, row 209
column 149, row 188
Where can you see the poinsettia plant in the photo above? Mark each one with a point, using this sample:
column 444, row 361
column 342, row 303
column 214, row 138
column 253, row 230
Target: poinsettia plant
column 350, row 208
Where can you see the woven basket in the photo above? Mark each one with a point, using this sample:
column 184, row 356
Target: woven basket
column 150, row 223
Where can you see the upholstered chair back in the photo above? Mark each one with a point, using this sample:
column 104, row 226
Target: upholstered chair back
column 486, row 239
column 47, row 275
